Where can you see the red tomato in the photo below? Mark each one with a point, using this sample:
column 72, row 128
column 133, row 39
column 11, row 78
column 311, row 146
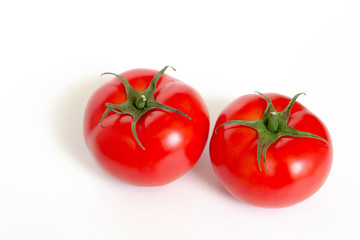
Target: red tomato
column 171, row 137
column 296, row 167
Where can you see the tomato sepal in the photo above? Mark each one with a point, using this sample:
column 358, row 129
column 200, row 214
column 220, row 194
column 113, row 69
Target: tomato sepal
column 271, row 127
column 138, row 103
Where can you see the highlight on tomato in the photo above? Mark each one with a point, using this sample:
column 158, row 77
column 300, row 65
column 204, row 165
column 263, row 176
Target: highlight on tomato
column 145, row 127
column 270, row 151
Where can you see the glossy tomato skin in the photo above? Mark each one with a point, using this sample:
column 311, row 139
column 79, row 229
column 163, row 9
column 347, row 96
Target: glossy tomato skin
column 296, row 167
column 173, row 143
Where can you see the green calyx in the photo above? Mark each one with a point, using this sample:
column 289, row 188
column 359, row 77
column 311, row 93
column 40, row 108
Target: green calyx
column 272, row 126
column 138, row 102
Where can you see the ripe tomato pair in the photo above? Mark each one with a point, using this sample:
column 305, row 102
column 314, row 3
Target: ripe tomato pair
column 147, row 128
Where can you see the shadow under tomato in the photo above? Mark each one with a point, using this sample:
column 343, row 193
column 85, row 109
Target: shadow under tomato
column 68, row 120
column 204, row 171
column 203, row 168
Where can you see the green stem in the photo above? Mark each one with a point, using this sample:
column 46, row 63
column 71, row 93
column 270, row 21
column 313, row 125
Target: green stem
column 271, row 127
column 273, row 124
column 138, row 103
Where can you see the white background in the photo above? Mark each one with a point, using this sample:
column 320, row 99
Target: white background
column 52, row 54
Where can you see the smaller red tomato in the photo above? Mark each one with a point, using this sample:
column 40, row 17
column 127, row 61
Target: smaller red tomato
column 270, row 151
column 145, row 127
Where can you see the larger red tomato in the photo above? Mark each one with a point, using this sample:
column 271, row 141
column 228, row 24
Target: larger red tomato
column 152, row 131
column 271, row 129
